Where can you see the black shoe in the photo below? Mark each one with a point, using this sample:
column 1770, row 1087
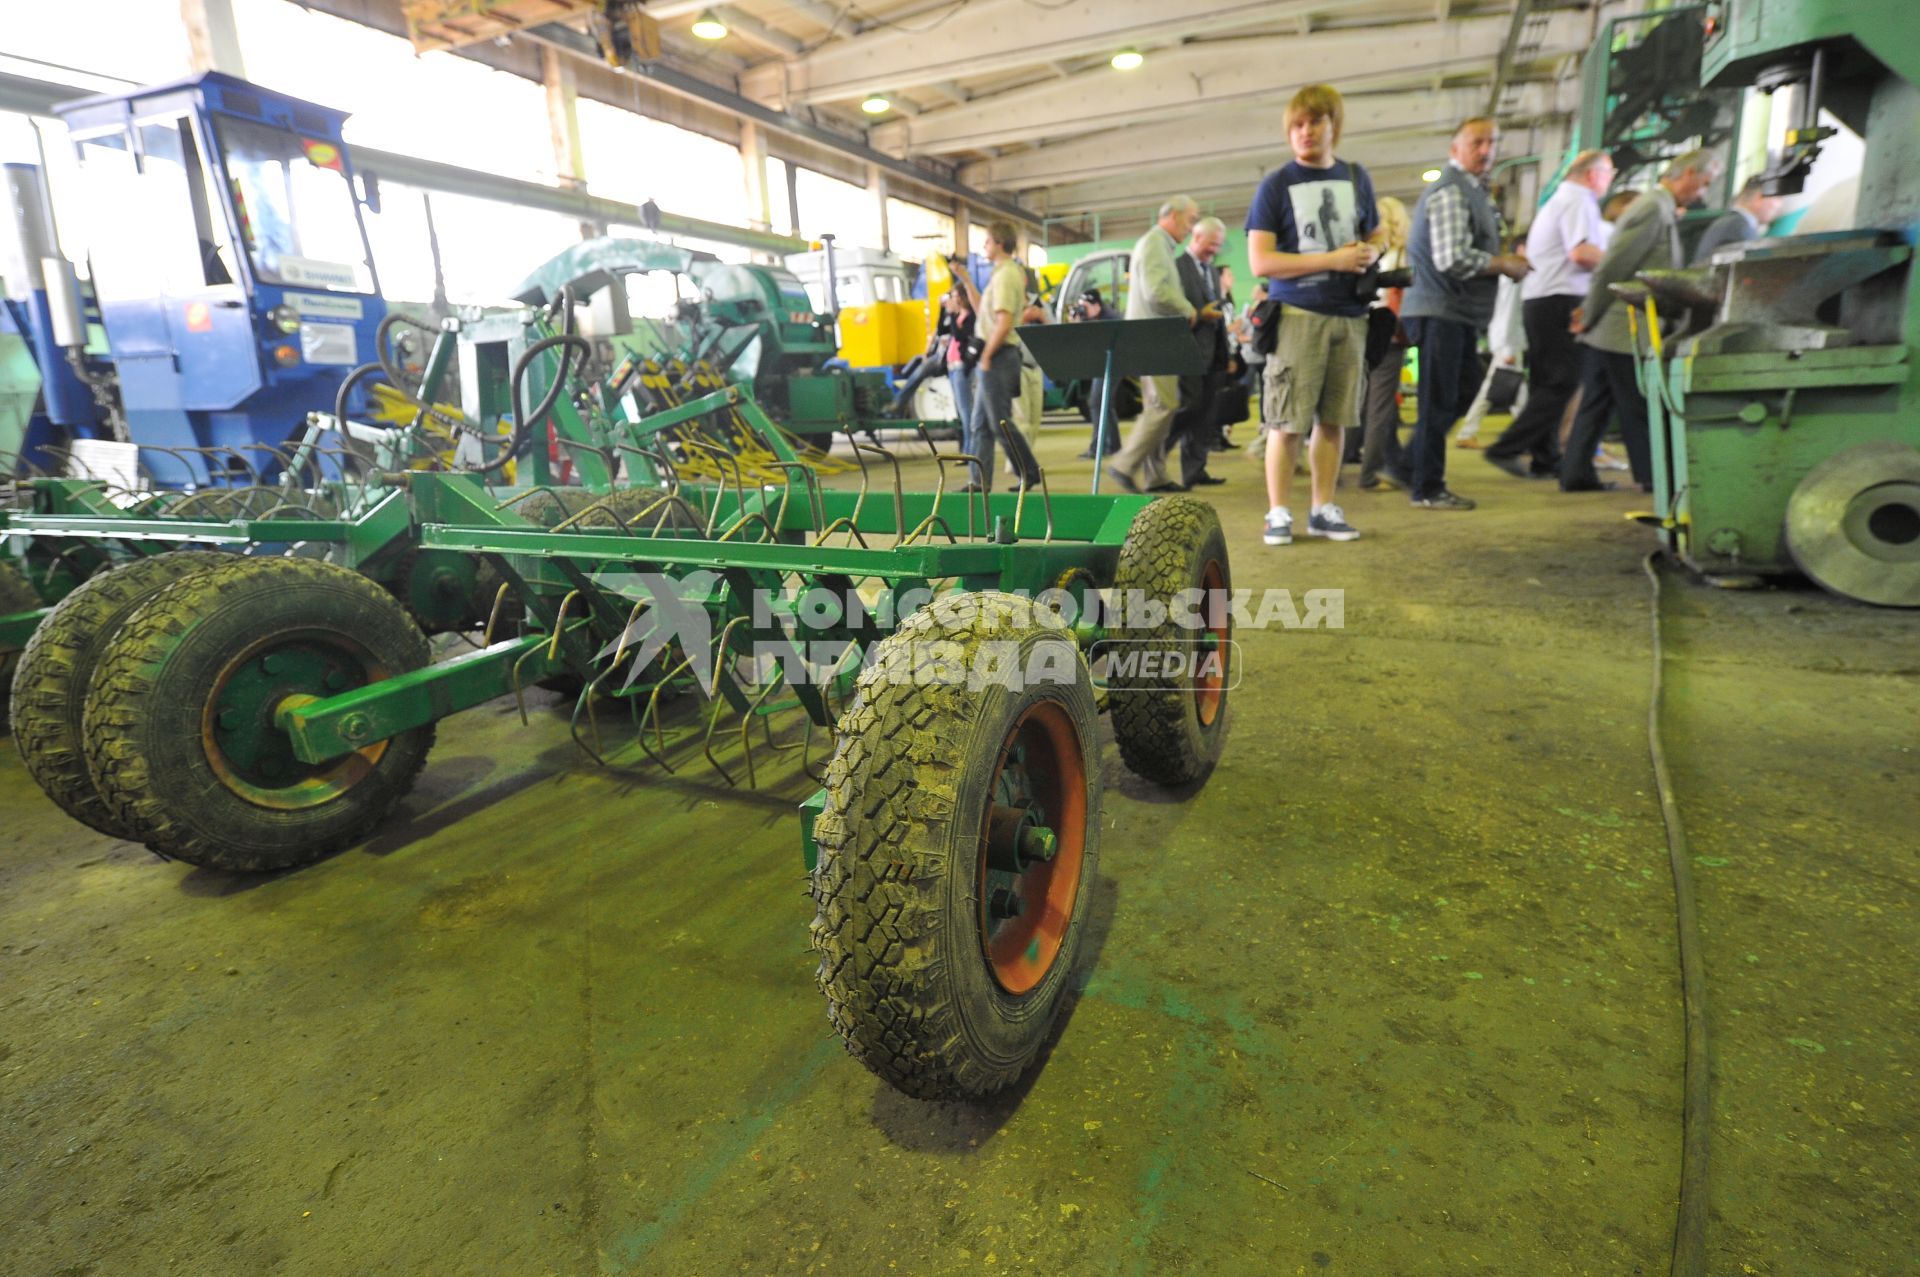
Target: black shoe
column 1597, row 485
column 1204, row 480
column 1443, row 500
column 1085, row 456
column 1124, row 482
column 1168, row 486
column 1512, row 465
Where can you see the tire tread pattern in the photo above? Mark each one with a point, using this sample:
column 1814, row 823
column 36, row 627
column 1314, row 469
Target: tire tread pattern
column 879, row 922
column 125, row 687
column 57, row 667
column 1155, row 726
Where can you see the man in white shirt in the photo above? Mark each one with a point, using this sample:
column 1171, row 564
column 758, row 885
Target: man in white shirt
column 1567, row 241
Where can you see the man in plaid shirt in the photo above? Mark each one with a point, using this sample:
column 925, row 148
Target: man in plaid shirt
column 1454, row 250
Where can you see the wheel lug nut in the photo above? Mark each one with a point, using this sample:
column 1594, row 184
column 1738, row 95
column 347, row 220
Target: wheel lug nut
column 1005, row 902
column 273, row 663
column 335, row 680
column 1037, row 842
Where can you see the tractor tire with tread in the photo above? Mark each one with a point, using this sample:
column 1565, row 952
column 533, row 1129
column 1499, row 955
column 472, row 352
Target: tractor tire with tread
column 1166, row 731
column 157, row 715
column 16, row 595
column 57, row 668
column 907, row 963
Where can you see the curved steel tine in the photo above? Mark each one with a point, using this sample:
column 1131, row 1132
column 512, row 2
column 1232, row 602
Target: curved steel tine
column 899, row 488
column 653, row 712
column 270, row 450
column 585, row 701
column 713, row 517
column 815, row 502
column 231, row 450
column 854, row 533
column 706, row 747
column 268, row 514
column 493, row 615
column 560, row 623
column 598, row 507
column 669, row 501
column 860, row 500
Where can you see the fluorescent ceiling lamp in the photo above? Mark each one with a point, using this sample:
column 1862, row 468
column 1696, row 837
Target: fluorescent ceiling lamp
column 709, row 27
column 1128, row 59
column 1431, row 175
column 875, row 104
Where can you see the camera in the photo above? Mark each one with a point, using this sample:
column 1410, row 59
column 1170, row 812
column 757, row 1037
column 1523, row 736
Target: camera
column 1077, row 311
column 1373, row 279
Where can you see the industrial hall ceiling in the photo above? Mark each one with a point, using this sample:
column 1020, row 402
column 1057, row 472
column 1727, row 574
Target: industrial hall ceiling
column 1078, row 112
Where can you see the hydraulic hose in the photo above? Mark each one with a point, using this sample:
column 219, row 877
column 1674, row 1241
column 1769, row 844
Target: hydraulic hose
column 523, row 421
column 1690, row 1228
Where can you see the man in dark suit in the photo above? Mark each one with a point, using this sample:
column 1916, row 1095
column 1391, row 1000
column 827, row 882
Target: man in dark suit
column 1194, row 429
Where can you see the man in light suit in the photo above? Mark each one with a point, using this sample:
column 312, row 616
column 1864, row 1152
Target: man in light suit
column 1155, row 293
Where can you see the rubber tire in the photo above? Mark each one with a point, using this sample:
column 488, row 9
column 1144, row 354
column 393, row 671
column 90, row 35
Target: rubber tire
column 16, row 595
column 1157, row 725
column 907, row 985
column 57, row 667
column 143, row 715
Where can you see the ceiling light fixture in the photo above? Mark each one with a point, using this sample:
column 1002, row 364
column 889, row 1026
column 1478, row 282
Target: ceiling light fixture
column 1128, row 59
column 709, row 27
column 875, row 104
column 1431, row 175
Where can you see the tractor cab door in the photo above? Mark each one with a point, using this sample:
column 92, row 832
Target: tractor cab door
column 198, row 268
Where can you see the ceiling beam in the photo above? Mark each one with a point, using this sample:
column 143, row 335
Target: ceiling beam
column 1242, row 174
column 1001, row 35
column 1219, row 78
column 680, row 83
column 754, row 31
column 1215, row 197
column 1259, row 132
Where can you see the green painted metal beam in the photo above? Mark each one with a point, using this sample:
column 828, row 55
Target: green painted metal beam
column 921, row 559
column 222, row 532
column 338, row 725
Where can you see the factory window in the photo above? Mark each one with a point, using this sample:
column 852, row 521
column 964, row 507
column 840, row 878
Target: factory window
column 829, row 205
column 918, row 232
column 438, row 106
column 683, row 172
column 133, row 41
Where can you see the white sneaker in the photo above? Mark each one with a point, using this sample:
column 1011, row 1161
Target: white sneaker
column 1604, row 460
column 1330, row 521
column 1280, row 527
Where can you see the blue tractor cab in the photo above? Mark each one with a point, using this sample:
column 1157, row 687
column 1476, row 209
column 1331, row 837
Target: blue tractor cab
column 230, row 267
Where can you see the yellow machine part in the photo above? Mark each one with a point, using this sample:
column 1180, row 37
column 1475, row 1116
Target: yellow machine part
column 389, row 407
column 884, row 334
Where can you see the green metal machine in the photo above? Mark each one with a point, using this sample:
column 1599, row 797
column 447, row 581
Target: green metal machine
column 1782, row 381
column 257, row 712
column 755, row 323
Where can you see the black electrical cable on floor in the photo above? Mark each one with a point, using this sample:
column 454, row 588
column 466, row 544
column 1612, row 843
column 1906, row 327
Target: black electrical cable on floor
column 1690, row 1228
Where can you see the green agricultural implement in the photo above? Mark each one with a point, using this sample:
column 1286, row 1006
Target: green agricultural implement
column 258, row 712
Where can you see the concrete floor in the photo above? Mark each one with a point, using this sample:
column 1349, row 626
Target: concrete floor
column 1395, row 992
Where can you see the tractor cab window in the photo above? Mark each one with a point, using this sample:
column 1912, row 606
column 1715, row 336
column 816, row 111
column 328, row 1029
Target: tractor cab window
column 295, row 207
column 179, row 221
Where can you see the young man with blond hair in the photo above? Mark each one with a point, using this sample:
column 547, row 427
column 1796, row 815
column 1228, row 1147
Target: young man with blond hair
column 1311, row 233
